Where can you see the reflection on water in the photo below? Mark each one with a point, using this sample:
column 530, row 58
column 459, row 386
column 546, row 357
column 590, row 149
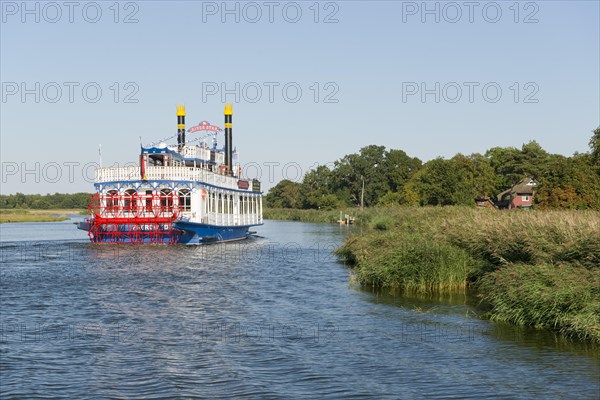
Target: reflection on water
column 274, row 316
column 465, row 304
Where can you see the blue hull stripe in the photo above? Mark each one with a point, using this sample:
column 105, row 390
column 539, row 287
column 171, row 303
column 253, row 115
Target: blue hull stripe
column 196, row 233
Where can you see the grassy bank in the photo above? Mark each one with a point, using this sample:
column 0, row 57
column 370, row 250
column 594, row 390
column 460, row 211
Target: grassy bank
column 289, row 214
column 538, row 268
column 21, row 215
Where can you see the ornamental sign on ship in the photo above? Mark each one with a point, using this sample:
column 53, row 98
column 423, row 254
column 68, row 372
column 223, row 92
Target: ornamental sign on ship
column 183, row 193
column 204, row 126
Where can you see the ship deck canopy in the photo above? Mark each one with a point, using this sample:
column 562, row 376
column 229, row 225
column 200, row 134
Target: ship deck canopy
column 160, row 150
column 159, row 153
column 197, row 161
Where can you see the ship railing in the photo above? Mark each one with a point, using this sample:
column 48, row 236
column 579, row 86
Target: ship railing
column 231, row 220
column 114, row 174
column 117, row 174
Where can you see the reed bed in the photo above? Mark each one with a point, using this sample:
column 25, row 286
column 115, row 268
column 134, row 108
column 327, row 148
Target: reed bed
column 561, row 297
column 538, row 268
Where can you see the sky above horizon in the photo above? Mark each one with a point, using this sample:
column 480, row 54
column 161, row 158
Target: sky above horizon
column 310, row 81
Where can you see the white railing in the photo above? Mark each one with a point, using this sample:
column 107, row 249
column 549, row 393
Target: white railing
column 169, row 173
column 231, row 219
column 117, row 174
column 196, row 152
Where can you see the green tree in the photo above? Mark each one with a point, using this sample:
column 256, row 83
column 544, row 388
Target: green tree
column 315, row 190
column 368, row 166
column 569, row 182
column 479, row 171
column 595, row 146
column 443, row 182
column 41, row 204
column 283, row 195
column 399, row 167
column 512, row 165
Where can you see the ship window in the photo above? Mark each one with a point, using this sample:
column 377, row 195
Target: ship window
column 166, row 201
column 112, row 200
column 148, row 200
column 130, row 203
column 185, row 201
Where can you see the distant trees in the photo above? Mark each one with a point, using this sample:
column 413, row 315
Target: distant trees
column 391, row 177
column 569, row 182
column 44, row 202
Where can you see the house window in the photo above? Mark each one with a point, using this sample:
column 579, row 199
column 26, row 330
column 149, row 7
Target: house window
column 525, row 198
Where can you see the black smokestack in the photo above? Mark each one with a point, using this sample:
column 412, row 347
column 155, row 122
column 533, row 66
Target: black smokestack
column 180, row 127
column 228, row 137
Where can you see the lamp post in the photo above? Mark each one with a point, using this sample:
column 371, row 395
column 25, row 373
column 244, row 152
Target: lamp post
column 362, row 194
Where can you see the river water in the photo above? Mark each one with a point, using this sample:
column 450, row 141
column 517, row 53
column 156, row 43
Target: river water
column 272, row 317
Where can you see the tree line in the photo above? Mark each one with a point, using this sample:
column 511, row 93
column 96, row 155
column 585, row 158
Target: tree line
column 392, row 177
column 45, row 202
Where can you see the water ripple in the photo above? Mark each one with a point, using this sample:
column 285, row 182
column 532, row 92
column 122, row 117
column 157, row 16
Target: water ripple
column 274, row 318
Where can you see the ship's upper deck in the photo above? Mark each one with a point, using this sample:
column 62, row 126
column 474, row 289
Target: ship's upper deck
column 173, row 173
column 184, row 162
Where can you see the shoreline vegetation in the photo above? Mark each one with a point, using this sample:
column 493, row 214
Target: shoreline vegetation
column 420, row 231
column 55, row 207
column 537, row 268
column 23, row 215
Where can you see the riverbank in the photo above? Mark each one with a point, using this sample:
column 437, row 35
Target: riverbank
column 536, row 268
column 290, row 214
column 22, row 215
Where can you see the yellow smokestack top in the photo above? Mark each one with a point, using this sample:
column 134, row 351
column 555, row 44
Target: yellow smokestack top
column 180, row 110
column 228, row 109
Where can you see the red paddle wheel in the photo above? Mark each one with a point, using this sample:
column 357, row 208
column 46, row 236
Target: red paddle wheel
column 133, row 218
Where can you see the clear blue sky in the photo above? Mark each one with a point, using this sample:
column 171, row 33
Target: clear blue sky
column 371, row 55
